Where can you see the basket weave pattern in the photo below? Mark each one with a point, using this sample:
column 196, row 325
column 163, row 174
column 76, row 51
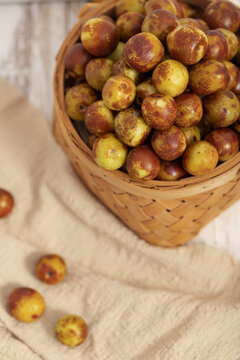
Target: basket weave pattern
column 162, row 213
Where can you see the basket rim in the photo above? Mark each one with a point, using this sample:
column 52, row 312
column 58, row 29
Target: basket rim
column 229, row 167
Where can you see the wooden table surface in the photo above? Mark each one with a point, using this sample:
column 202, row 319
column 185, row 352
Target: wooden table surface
column 30, row 35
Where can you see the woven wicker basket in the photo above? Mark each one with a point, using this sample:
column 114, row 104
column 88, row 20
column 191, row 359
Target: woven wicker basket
column 162, row 213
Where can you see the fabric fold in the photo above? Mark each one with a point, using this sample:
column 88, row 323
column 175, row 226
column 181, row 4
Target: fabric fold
column 140, row 302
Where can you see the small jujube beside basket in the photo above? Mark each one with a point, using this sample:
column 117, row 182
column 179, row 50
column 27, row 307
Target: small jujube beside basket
column 161, row 212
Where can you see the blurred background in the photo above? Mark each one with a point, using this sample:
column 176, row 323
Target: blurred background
column 31, row 33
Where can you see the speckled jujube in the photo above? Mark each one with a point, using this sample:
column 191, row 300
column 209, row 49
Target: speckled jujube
column 159, row 111
column 99, row 119
column 142, row 164
column 226, row 142
column 77, row 100
column 71, row 330
column 119, row 92
column 98, row 71
column 170, row 78
column 187, row 44
column 130, row 127
column 189, row 109
column 26, row 304
column 232, row 42
column 202, row 74
column 109, row 152
column 222, row 14
column 171, row 170
column 51, row 269
column 129, row 24
column 217, row 46
column 76, row 60
column 160, row 23
column 222, row 108
column 143, row 52
column 6, row 203
column 200, row 157
column 169, row 144
column 99, row 36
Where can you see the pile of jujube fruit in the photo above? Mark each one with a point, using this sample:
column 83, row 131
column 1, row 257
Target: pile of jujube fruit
column 158, row 87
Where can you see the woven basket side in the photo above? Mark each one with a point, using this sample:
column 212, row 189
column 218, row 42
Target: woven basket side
column 162, row 213
column 166, row 222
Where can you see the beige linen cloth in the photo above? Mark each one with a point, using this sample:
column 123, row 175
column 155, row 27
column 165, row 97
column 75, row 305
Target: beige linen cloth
column 140, row 302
